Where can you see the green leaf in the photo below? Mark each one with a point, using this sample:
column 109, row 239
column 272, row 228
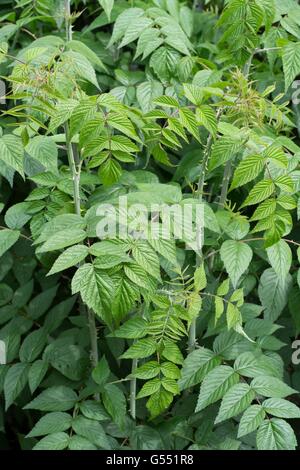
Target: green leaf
column 193, row 93
column 271, row 387
column 7, row 239
column 17, row 216
column 147, row 371
column 265, row 209
column 280, row 258
column 149, row 388
column 223, row 150
column 56, row 398
column 164, row 62
column 138, row 275
column 15, row 381
column 149, row 41
column 165, row 248
column 58, row 313
column 33, row 345
column 95, row 287
column 247, row 170
column 277, row 156
column 196, row 366
column 159, row 402
column 281, row 408
column 275, row 434
column 60, row 223
column 274, row 232
column 70, row 257
column 36, row 374
column 115, row 403
column 251, row 364
column 206, row 117
column 121, row 122
column 169, row 193
column 170, row 370
column 146, row 92
column 167, row 101
column 134, row 328
column 125, row 295
column 81, row 66
column 189, row 122
column 259, row 192
column 51, row 423
column 219, row 308
column 251, row 419
column 215, row 384
column 84, row 50
column 236, row 400
column 200, row 281
column 110, row 172
column 273, row 293
column 236, row 257
column 55, row 441
column 44, row 150
column 146, row 257
column 291, row 62
column 107, row 5
column 223, row 288
column 6, row 294
column 63, row 111
column 285, row 183
column 170, row 385
column 92, row 430
column 11, row 152
column 172, row 352
column 134, row 29
column 80, row 443
column 101, row 372
column 93, row 410
column 108, row 247
column 140, row 349
column 62, row 239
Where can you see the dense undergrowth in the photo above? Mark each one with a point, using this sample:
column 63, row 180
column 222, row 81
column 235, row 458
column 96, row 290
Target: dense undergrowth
column 141, row 343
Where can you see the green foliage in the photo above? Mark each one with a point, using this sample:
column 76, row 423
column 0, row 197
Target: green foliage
column 126, row 342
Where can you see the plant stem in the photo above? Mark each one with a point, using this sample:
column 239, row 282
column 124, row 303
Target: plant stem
column 75, row 168
column 192, row 330
column 93, row 338
column 206, row 155
column 68, row 22
column 133, row 390
column 225, row 183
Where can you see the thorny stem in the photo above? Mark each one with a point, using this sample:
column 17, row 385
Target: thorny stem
column 134, row 365
column 206, row 155
column 133, row 390
column 248, row 64
column 68, row 22
column 227, row 169
column 225, row 183
column 75, row 168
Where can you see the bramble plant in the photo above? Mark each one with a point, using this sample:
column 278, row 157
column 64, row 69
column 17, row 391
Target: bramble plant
column 146, row 340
